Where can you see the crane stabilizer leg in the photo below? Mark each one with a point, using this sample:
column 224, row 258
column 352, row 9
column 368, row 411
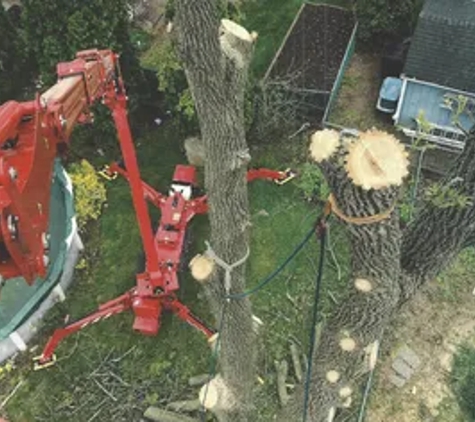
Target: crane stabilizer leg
column 106, row 310
column 183, row 312
column 279, row 177
column 111, row 171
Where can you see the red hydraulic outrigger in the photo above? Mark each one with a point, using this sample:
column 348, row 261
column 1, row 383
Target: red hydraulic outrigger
column 30, row 134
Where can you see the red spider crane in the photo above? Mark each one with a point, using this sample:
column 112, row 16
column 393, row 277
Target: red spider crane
column 30, row 134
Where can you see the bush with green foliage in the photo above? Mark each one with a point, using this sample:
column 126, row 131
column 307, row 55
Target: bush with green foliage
column 312, row 183
column 55, row 30
column 14, row 65
column 462, row 380
column 383, row 20
column 89, row 192
column 163, row 58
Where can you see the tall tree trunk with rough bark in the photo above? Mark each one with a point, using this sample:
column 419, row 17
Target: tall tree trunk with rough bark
column 216, row 56
column 389, row 266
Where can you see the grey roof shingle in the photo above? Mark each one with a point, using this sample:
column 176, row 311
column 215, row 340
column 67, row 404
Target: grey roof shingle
column 443, row 46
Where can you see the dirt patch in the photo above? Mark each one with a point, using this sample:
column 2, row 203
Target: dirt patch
column 307, row 64
column 315, row 47
column 356, row 103
column 433, row 327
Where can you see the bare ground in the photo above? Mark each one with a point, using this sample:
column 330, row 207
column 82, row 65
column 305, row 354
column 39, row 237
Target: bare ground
column 433, row 325
column 356, row 103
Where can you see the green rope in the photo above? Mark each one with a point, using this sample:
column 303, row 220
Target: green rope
column 276, row 272
column 313, row 330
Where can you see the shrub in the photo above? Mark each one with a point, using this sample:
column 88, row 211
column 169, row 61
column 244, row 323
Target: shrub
column 312, row 183
column 462, row 380
column 89, row 192
column 382, row 20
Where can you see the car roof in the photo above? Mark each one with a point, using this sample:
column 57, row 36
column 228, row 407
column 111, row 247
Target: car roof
column 391, row 89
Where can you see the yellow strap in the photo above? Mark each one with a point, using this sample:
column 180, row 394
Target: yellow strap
column 370, row 219
column 106, row 174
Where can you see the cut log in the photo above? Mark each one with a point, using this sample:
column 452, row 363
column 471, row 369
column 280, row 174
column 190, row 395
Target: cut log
column 216, row 396
column 236, row 43
column 201, row 268
column 282, row 369
column 198, row 380
column 184, row 406
column 294, row 352
column 323, row 144
column 160, row 415
column 377, row 160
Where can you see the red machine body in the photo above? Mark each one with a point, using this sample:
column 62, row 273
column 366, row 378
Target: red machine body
column 30, row 134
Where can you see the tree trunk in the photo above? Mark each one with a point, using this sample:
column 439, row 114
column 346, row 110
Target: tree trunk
column 216, row 59
column 350, row 339
column 387, row 271
column 387, row 268
column 438, row 234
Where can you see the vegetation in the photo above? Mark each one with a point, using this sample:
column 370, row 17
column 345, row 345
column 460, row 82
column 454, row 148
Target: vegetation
column 13, row 59
column 381, row 21
column 155, row 370
column 462, row 379
column 89, row 192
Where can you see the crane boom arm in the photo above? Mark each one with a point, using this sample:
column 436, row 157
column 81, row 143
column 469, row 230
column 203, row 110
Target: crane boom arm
column 30, row 134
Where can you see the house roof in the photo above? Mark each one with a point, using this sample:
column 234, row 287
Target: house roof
column 442, row 49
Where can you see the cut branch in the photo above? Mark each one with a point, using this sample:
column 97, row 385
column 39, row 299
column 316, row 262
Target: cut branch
column 160, row 415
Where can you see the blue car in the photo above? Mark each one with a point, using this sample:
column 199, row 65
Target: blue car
column 389, row 95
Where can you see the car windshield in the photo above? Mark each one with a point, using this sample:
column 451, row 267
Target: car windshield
column 390, row 105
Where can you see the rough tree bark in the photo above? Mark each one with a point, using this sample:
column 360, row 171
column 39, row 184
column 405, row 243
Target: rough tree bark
column 216, row 57
column 437, row 235
column 388, row 266
column 349, row 341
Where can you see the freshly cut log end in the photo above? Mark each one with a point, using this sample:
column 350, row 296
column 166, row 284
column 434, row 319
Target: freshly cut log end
column 215, row 395
column 331, row 414
column 333, row 376
column 377, row 160
column 236, row 43
column 323, row 144
column 201, row 268
column 348, row 344
column 363, row 285
column 347, row 403
column 237, row 31
column 345, row 392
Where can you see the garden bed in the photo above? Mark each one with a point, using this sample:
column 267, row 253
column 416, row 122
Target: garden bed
column 312, row 54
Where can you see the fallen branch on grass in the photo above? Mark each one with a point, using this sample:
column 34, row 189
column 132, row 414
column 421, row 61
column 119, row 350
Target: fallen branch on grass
column 198, row 380
column 294, row 352
column 184, row 406
column 7, row 399
column 282, row 369
column 160, row 415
